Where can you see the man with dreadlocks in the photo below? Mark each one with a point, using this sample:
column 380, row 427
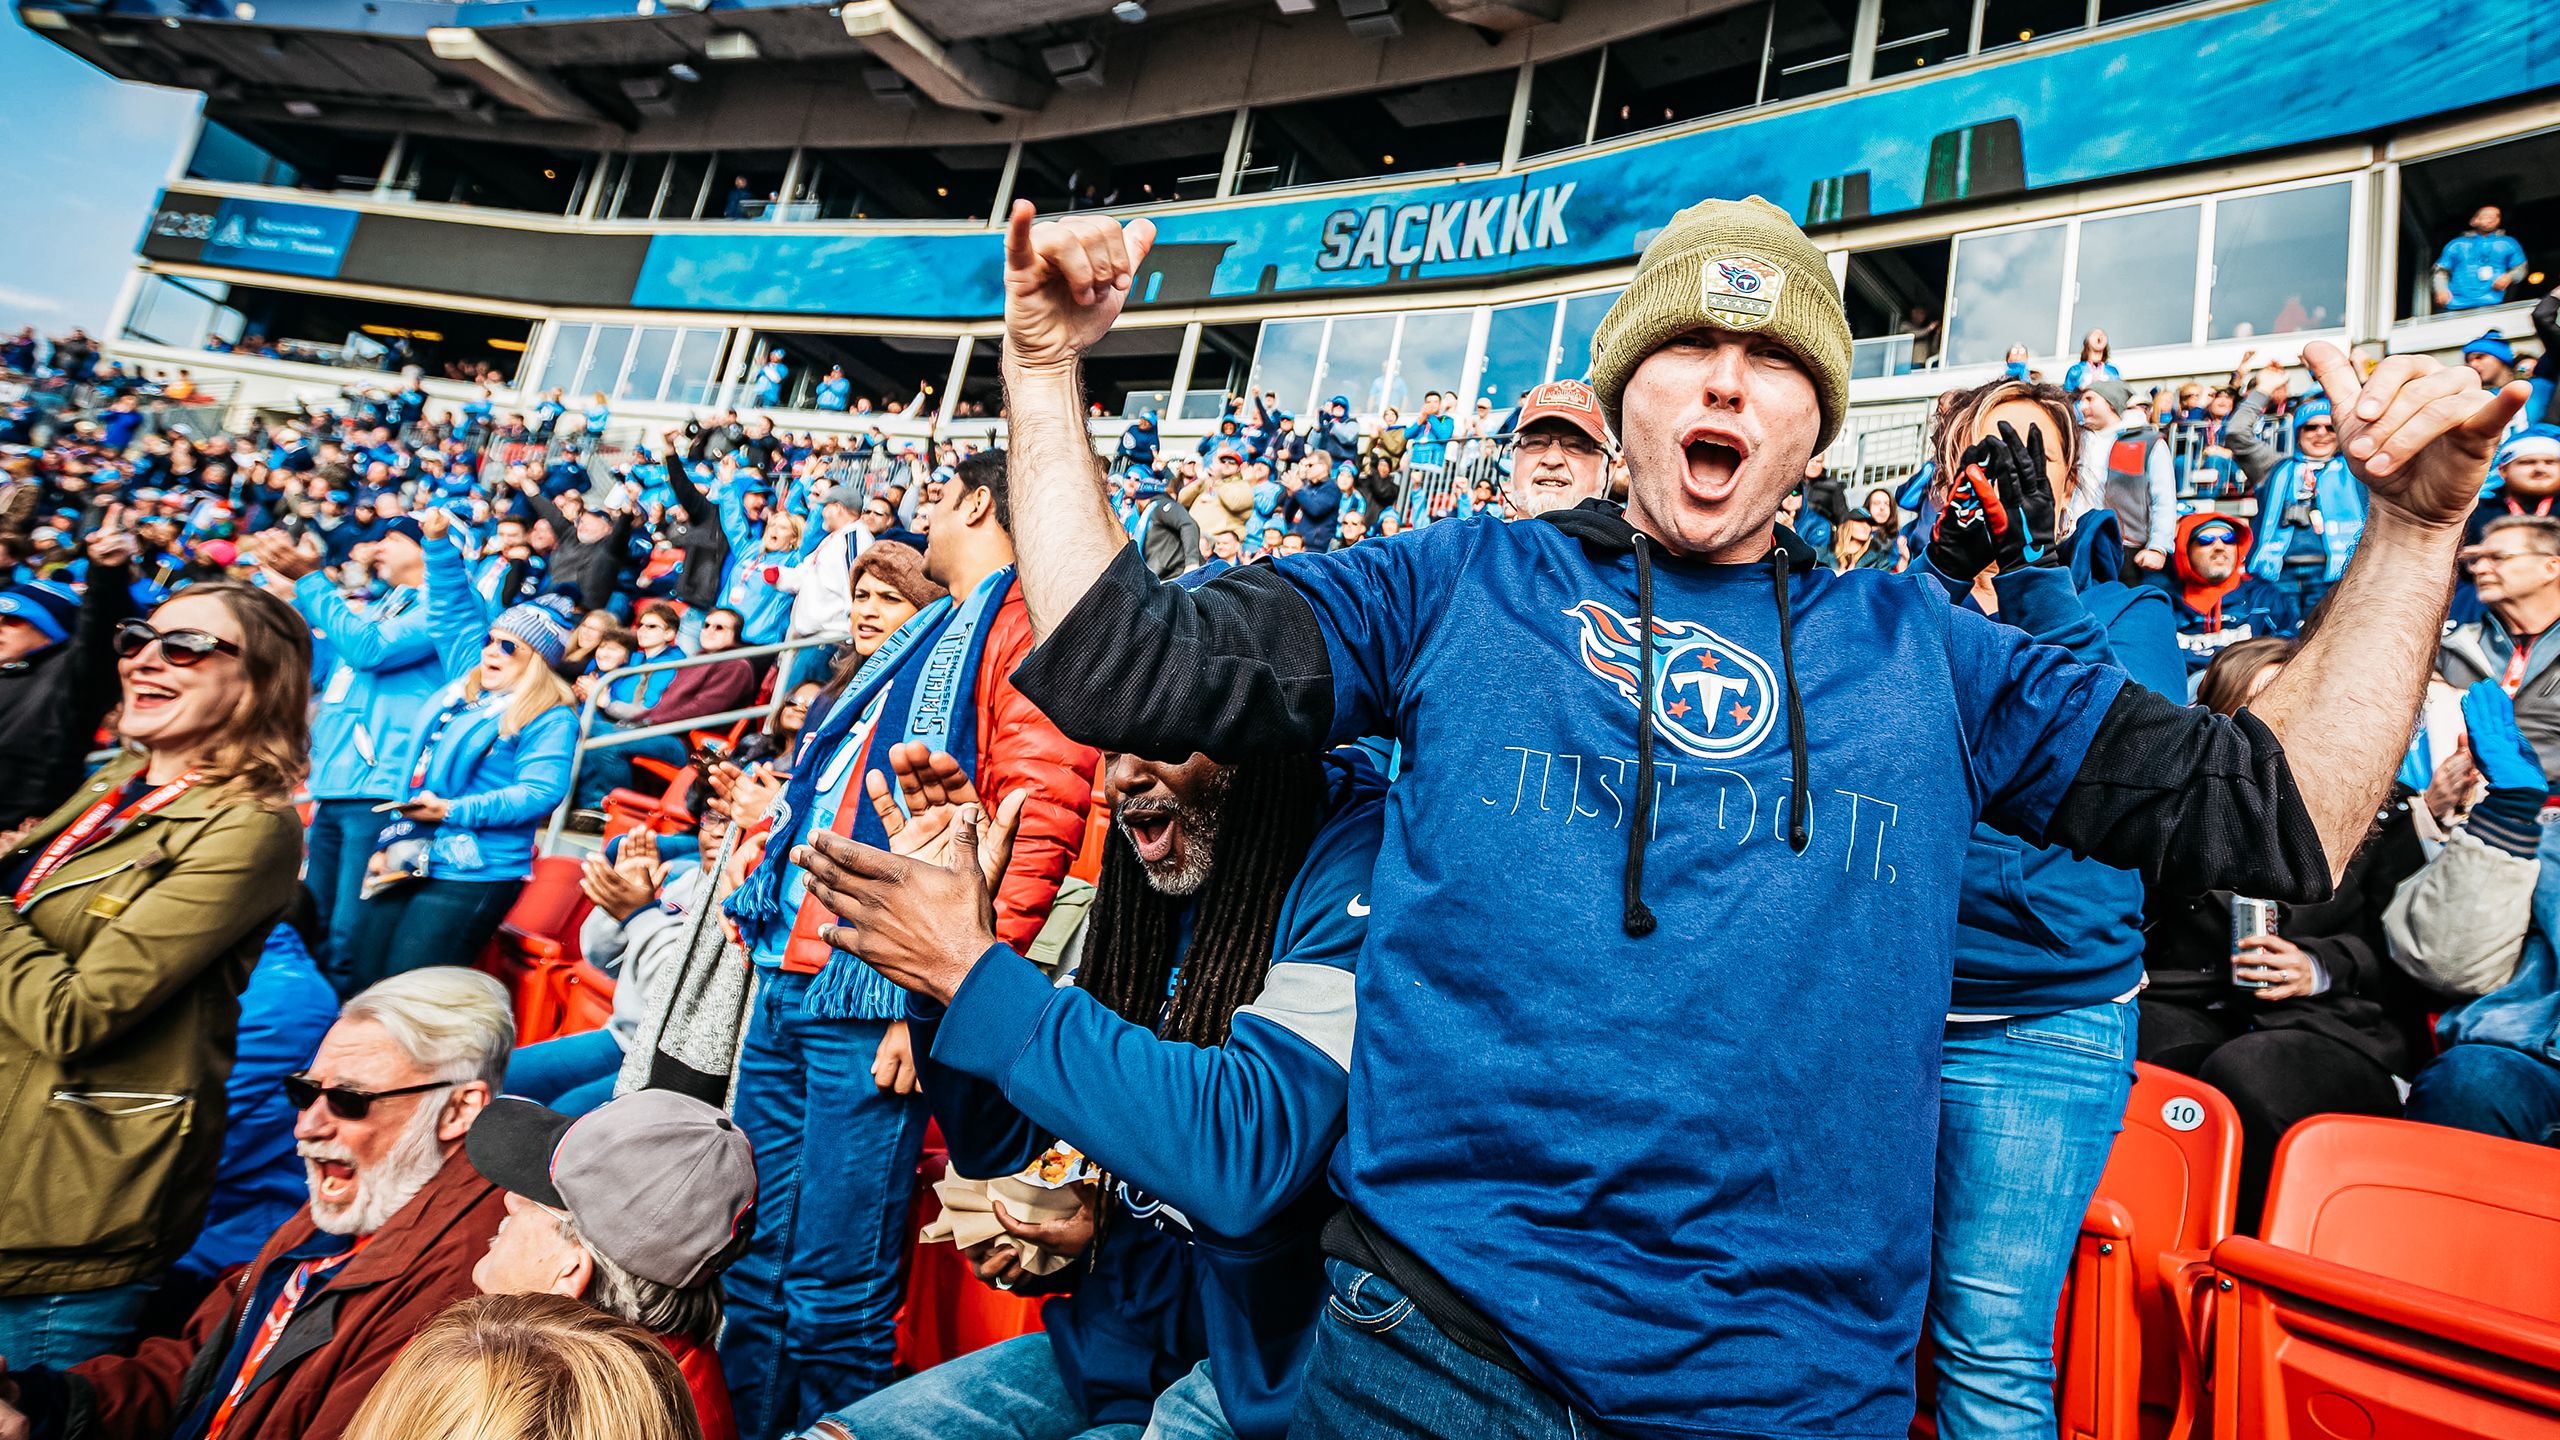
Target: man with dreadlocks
column 1200, row 1058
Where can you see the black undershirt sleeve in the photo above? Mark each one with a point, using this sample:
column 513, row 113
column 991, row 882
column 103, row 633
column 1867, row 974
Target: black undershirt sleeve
column 1231, row 668
column 2193, row 800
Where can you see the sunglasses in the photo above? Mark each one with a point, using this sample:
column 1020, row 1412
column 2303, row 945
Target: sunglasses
column 2323, row 426
column 181, row 648
column 345, row 1103
column 507, row 647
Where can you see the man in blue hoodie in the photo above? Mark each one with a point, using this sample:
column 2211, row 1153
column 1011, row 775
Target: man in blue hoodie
column 1200, row 1064
column 364, row 728
column 1661, row 1171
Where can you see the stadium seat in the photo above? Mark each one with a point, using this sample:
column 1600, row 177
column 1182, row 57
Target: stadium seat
column 2408, row 1287
column 2127, row 1365
column 585, row 999
column 2124, row 1366
column 537, row 940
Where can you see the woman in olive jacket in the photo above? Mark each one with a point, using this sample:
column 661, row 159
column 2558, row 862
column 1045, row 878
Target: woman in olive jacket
column 135, row 914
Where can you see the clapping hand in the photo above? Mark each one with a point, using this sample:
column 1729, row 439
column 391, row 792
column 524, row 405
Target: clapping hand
column 922, row 924
column 2506, row 759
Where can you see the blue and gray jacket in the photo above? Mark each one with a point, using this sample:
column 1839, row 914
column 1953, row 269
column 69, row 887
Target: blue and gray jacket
column 1219, row 1152
column 364, row 730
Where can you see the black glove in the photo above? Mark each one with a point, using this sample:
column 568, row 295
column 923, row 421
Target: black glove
column 2000, row 508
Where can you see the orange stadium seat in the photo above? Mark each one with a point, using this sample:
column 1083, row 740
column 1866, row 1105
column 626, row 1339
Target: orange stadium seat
column 2407, row 1288
column 539, row 938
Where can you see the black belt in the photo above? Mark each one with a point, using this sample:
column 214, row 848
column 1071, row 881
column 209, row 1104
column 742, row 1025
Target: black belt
column 1350, row 1238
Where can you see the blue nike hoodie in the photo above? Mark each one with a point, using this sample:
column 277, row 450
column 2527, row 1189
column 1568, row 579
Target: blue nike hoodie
column 1219, row 1152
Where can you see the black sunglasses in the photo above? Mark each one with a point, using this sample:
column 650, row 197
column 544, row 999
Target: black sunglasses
column 347, row 1104
column 181, row 648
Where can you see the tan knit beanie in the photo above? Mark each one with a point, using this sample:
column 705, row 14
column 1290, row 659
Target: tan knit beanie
column 1737, row 265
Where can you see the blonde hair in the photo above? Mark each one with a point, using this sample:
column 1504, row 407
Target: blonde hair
column 1961, row 413
column 539, row 689
column 529, row 1367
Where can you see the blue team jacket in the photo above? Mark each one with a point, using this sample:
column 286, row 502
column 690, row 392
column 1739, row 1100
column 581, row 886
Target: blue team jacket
column 2039, row 930
column 1220, row 1152
column 500, row 788
column 284, row 1011
column 364, row 729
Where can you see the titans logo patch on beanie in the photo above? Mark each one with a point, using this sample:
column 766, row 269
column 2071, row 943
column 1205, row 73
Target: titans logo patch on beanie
column 1740, row 292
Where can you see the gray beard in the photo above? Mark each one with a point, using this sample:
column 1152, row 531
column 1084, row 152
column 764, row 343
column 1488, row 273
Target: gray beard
column 385, row 1189
column 1187, row 869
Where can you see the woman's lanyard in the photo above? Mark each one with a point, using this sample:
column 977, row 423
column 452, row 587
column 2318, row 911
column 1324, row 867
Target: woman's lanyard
column 2540, row 507
column 102, row 821
column 435, row 732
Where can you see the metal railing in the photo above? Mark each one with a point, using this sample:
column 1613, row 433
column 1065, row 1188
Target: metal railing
column 587, row 711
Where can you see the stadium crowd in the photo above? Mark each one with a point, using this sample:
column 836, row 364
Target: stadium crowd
column 2149, row 737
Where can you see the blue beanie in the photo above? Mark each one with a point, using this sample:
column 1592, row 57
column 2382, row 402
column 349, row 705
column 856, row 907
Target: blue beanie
column 48, row 605
column 542, row 622
column 2492, row 344
column 2315, row 408
column 406, row 525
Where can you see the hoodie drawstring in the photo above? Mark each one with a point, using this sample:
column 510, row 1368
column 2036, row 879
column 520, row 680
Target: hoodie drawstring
column 1798, row 794
column 1637, row 919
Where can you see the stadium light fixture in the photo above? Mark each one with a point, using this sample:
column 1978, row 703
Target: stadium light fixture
column 1130, row 12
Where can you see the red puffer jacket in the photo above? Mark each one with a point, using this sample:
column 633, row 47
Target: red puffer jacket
column 1017, row 749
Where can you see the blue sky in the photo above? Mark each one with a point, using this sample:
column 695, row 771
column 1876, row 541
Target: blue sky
column 86, row 156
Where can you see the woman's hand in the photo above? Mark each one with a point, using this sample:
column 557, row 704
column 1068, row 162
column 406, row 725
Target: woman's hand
column 425, row 807
column 2285, row 967
column 752, row 792
column 893, row 1065
column 2455, row 785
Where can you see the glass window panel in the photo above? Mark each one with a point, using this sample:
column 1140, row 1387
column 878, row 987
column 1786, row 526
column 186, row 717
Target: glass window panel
column 1581, row 318
column 2126, row 9
column 1809, row 49
column 1355, row 364
column 1705, row 67
column 696, row 356
column 649, row 352
column 568, row 350
column 2137, row 278
column 225, row 154
column 505, row 177
column 2015, row 22
column 1136, row 165
column 943, row 182
column 604, row 362
column 1911, row 34
column 182, row 313
column 686, row 176
column 1433, row 354
column 1516, row 343
column 1284, row 362
column 2008, row 291
column 1436, row 126
column 642, row 175
column 1560, row 103
column 2279, row 263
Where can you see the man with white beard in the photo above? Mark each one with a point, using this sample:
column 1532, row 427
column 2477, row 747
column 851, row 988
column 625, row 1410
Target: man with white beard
column 288, row 1348
column 1559, row 451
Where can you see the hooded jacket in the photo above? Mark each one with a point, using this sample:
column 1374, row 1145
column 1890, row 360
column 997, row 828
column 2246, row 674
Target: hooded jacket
column 1729, row 1226
column 2481, row 651
column 2240, row 607
column 2038, row 929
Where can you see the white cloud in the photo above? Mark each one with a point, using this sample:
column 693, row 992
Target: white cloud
column 28, row 301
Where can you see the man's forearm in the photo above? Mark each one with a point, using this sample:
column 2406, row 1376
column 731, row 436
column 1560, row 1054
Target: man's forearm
column 2345, row 704
column 1063, row 533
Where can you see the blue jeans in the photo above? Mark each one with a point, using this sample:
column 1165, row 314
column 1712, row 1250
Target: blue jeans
column 341, row 838
column 62, row 1330
column 573, row 1074
column 1380, row 1369
column 427, row 922
column 813, row 1304
column 604, row 771
column 2028, row 1110
column 1010, row 1391
column 2490, row 1089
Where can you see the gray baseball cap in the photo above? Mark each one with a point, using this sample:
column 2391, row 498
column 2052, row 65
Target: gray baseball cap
column 659, row 1183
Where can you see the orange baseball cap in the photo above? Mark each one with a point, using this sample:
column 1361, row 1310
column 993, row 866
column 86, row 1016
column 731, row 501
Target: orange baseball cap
column 1572, row 401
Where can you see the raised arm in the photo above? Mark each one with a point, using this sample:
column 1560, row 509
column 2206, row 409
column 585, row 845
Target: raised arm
column 2245, row 803
column 1064, row 283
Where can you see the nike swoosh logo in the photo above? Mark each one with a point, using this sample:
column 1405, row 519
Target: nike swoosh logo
column 1357, row 908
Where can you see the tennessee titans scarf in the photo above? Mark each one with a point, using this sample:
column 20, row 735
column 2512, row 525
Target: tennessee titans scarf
column 921, row 686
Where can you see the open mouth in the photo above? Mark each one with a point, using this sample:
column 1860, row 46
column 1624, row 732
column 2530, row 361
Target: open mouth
column 334, row 1181
column 141, row 696
column 1714, row 458
column 1151, row 831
